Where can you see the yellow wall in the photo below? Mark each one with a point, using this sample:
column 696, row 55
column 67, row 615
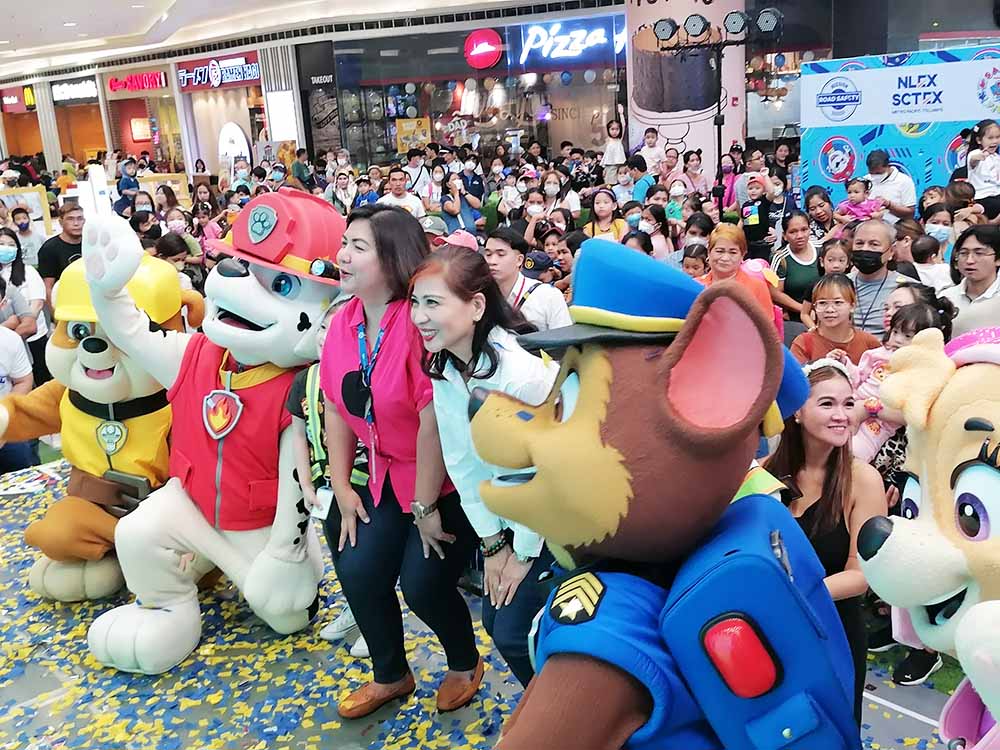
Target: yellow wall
column 22, row 133
column 80, row 129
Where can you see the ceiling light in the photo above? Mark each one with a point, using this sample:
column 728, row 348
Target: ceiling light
column 83, row 34
column 736, row 22
column 696, row 24
column 138, row 6
column 4, row 41
column 69, row 24
column 665, row 29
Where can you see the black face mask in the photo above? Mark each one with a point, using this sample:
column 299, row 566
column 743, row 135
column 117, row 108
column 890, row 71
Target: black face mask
column 867, row 261
column 154, row 232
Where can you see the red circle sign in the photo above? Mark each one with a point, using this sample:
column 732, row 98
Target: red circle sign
column 483, row 49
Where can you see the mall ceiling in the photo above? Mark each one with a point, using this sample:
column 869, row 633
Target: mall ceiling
column 81, row 32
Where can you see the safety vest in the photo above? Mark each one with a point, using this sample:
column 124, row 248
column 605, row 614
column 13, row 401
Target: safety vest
column 319, row 467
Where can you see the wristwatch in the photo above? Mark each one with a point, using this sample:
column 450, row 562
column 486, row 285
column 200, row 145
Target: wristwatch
column 421, row 511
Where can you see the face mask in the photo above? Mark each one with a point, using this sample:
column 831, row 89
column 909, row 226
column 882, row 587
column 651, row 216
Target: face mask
column 437, row 177
column 559, row 225
column 277, row 176
column 420, row 163
column 624, row 179
column 7, row 254
column 23, row 225
column 522, row 187
column 727, row 169
column 645, row 226
column 552, row 190
column 342, row 162
column 498, row 169
column 154, row 232
column 633, row 220
column 179, row 265
column 242, row 173
column 469, row 166
column 940, row 232
column 143, row 207
column 677, row 191
column 177, row 226
column 535, row 210
column 867, row 261
column 243, row 201
column 696, row 240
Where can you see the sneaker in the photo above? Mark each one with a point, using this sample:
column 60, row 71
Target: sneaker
column 881, row 640
column 341, row 628
column 917, row 667
column 360, row 649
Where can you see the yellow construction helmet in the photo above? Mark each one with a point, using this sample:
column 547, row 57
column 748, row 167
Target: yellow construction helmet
column 154, row 287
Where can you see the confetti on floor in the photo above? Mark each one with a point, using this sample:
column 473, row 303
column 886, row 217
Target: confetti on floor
column 246, row 688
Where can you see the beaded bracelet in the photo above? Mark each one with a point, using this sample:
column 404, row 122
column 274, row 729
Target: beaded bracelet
column 495, row 548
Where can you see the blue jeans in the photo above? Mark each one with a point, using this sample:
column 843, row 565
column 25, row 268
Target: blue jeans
column 14, row 456
column 509, row 626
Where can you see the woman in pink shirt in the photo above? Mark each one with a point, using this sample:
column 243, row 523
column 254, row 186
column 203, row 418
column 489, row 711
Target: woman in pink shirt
column 412, row 528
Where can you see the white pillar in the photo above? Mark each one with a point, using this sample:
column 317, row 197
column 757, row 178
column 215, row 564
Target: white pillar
column 45, row 109
column 3, row 140
column 185, row 118
column 102, row 101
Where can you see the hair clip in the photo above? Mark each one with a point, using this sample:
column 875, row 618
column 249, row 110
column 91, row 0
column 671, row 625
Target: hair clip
column 822, row 362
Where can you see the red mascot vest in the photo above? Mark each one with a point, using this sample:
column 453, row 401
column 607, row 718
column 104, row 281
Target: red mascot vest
column 232, row 478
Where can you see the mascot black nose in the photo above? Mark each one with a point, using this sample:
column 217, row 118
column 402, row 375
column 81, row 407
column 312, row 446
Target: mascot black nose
column 476, row 400
column 94, row 345
column 872, row 536
column 232, row 268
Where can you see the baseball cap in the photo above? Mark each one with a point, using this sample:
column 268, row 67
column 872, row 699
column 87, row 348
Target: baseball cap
column 434, row 225
column 536, row 263
column 530, row 173
column 544, row 229
column 757, row 177
column 11, row 174
column 463, row 239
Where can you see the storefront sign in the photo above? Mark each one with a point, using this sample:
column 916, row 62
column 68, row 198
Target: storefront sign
column 414, row 132
column 588, row 41
column 75, row 92
column 221, row 72
column 147, row 81
column 455, row 129
column 18, row 99
column 483, row 49
column 316, row 65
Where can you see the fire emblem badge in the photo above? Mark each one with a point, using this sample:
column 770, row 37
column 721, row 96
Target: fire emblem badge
column 221, row 410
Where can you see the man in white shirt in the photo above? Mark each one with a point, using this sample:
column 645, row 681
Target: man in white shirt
column 15, row 377
column 977, row 296
column 895, row 189
column 542, row 305
column 396, row 194
column 419, row 176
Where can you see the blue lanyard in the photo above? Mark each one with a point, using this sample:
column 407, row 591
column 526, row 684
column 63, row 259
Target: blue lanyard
column 367, row 366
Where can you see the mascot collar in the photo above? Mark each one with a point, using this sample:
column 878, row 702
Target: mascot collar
column 136, row 407
column 239, row 379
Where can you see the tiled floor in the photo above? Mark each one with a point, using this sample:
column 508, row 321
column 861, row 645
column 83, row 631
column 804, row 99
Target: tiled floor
column 247, row 688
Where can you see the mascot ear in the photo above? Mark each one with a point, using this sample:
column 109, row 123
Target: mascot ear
column 920, row 372
column 195, row 305
column 724, row 368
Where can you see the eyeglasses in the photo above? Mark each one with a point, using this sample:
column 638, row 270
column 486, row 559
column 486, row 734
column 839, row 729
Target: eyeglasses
column 978, row 254
column 830, row 304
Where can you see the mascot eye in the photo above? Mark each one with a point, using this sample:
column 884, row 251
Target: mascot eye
column 910, row 504
column 79, row 331
column 286, row 285
column 569, row 394
column 977, row 501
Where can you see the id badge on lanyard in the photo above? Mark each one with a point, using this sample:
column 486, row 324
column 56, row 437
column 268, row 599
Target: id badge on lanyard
column 367, row 367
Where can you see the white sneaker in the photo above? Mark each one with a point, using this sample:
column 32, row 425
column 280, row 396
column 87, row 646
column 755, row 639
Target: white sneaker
column 360, row 648
column 341, row 627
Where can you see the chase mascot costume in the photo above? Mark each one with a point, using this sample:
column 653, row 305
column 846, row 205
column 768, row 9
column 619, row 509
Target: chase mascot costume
column 940, row 560
column 679, row 618
column 113, row 418
column 232, row 499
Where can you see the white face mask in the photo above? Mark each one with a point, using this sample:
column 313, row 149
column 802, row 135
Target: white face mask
column 624, row 179
column 696, row 240
column 552, row 190
column 342, row 161
column 940, row 232
column 559, row 225
column 677, row 191
column 535, row 210
column 498, row 169
column 645, row 226
column 437, row 177
column 470, row 166
column 522, row 187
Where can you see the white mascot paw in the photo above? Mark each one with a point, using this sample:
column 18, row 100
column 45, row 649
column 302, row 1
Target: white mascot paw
column 977, row 645
column 146, row 640
column 281, row 593
column 75, row 581
column 111, row 253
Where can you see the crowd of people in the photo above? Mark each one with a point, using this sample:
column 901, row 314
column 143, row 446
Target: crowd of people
column 453, row 251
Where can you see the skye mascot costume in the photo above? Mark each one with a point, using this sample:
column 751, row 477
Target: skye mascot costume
column 940, row 561
column 679, row 618
column 232, row 499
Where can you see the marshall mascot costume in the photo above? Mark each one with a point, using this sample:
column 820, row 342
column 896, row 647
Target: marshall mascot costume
column 232, row 499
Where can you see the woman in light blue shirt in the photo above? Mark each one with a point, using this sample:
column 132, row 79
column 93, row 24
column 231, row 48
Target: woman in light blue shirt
column 469, row 333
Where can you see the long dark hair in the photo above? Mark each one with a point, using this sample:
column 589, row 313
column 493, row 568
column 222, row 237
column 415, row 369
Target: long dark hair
column 17, row 266
column 467, row 274
column 399, row 243
column 790, row 458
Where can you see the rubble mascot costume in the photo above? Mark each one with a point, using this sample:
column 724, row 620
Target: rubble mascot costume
column 681, row 618
column 113, row 418
column 232, row 499
column 940, row 560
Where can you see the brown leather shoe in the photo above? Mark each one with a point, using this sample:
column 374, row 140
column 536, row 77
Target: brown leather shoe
column 456, row 691
column 371, row 697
